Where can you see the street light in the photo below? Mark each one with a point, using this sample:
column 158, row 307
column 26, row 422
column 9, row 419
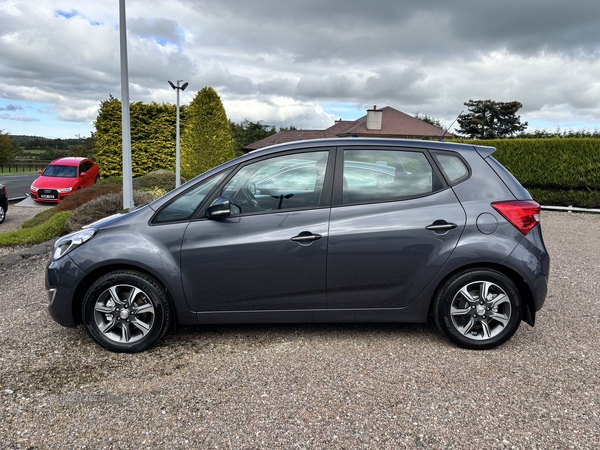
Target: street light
column 125, row 115
column 177, row 164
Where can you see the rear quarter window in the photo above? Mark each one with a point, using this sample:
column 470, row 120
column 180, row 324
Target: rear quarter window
column 453, row 167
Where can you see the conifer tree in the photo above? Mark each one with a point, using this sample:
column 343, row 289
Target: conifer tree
column 206, row 139
column 152, row 137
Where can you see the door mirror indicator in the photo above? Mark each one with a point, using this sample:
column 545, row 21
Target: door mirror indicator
column 221, row 207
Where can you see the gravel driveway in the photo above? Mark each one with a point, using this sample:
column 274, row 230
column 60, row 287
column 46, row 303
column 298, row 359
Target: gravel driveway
column 311, row 386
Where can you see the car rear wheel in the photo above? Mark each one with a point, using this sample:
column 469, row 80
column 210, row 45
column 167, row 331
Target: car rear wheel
column 478, row 309
column 126, row 311
column 2, row 213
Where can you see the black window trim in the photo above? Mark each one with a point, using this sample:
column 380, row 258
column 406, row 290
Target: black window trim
column 337, row 197
column 435, row 153
column 200, row 206
column 325, row 193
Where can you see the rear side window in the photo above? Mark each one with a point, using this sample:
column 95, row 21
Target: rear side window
column 453, row 167
column 386, row 175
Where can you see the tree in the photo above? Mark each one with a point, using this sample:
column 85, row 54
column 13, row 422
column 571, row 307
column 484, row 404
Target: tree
column 206, row 139
column 7, row 147
column 84, row 147
column 152, row 137
column 248, row 132
column 430, row 121
column 488, row 119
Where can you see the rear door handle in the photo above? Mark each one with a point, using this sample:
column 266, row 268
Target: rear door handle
column 441, row 226
column 306, row 237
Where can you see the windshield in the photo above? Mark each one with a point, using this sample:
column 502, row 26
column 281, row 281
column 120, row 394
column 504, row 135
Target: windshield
column 60, row 171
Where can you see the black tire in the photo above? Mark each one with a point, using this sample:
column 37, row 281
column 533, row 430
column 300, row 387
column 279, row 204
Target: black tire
column 126, row 311
column 97, row 179
column 471, row 321
column 2, row 213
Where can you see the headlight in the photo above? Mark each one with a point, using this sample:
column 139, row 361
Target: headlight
column 69, row 189
column 71, row 241
column 33, row 188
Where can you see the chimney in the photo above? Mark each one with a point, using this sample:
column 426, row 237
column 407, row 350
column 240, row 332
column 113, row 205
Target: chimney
column 374, row 119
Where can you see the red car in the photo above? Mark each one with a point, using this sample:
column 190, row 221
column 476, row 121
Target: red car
column 62, row 177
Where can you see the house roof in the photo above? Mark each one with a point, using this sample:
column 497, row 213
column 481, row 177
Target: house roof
column 394, row 124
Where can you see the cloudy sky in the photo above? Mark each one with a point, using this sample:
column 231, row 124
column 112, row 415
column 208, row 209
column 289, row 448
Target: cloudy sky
column 302, row 63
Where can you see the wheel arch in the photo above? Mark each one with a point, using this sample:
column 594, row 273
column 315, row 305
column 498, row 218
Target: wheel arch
column 524, row 290
column 94, row 275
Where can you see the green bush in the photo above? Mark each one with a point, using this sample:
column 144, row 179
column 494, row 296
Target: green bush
column 556, row 171
column 111, row 180
column 83, row 196
column 102, row 207
column 152, row 137
column 161, row 179
column 562, row 197
column 53, row 227
column 39, row 218
column 554, row 163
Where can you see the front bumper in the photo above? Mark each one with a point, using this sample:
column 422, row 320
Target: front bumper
column 58, row 197
column 62, row 278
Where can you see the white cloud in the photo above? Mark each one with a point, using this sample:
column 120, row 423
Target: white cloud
column 280, row 61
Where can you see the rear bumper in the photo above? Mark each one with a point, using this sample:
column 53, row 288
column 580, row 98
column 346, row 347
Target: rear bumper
column 533, row 258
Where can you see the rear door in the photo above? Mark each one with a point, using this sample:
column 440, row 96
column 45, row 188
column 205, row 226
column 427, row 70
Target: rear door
column 388, row 240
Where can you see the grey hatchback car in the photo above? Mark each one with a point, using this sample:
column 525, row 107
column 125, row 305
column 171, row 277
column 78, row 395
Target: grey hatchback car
column 333, row 230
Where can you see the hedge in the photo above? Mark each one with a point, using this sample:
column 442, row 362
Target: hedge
column 556, row 171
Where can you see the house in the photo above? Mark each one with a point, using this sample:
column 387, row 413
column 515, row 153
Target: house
column 386, row 122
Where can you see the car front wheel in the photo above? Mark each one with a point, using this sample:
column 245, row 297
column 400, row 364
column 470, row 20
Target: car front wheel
column 126, row 311
column 2, row 213
column 478, row 309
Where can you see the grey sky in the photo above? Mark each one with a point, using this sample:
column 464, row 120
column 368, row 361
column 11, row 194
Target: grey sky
column 302, row 63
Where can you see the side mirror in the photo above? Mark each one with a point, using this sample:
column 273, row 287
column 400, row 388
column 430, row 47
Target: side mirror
column 221, row 207
column 40, row 171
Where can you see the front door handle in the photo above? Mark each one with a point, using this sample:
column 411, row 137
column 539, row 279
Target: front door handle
column 441, row 226
column 306, row 237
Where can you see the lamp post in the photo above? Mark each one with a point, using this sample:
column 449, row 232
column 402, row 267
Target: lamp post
column 126, row 125
column 177, row 156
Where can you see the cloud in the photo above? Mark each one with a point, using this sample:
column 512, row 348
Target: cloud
column 279, row 62
column 19, row 118
column 24, row 118
column 11, row 108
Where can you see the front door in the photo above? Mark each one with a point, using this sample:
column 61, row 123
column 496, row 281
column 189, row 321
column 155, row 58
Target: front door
column 271, row 253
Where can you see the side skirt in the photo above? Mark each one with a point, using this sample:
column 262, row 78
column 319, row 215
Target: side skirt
column 313, row 316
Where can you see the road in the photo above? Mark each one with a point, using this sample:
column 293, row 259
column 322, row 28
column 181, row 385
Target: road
column 17, row 186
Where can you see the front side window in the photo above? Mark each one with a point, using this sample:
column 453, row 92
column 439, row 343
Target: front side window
column 185, row 206
column 386, row 175
column 284, row 182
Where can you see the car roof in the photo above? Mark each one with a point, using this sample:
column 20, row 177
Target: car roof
column 69, row 161
column 369, row 141
column 337, row 142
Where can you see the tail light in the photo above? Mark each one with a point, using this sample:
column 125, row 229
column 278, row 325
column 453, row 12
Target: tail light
column 522, row 214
